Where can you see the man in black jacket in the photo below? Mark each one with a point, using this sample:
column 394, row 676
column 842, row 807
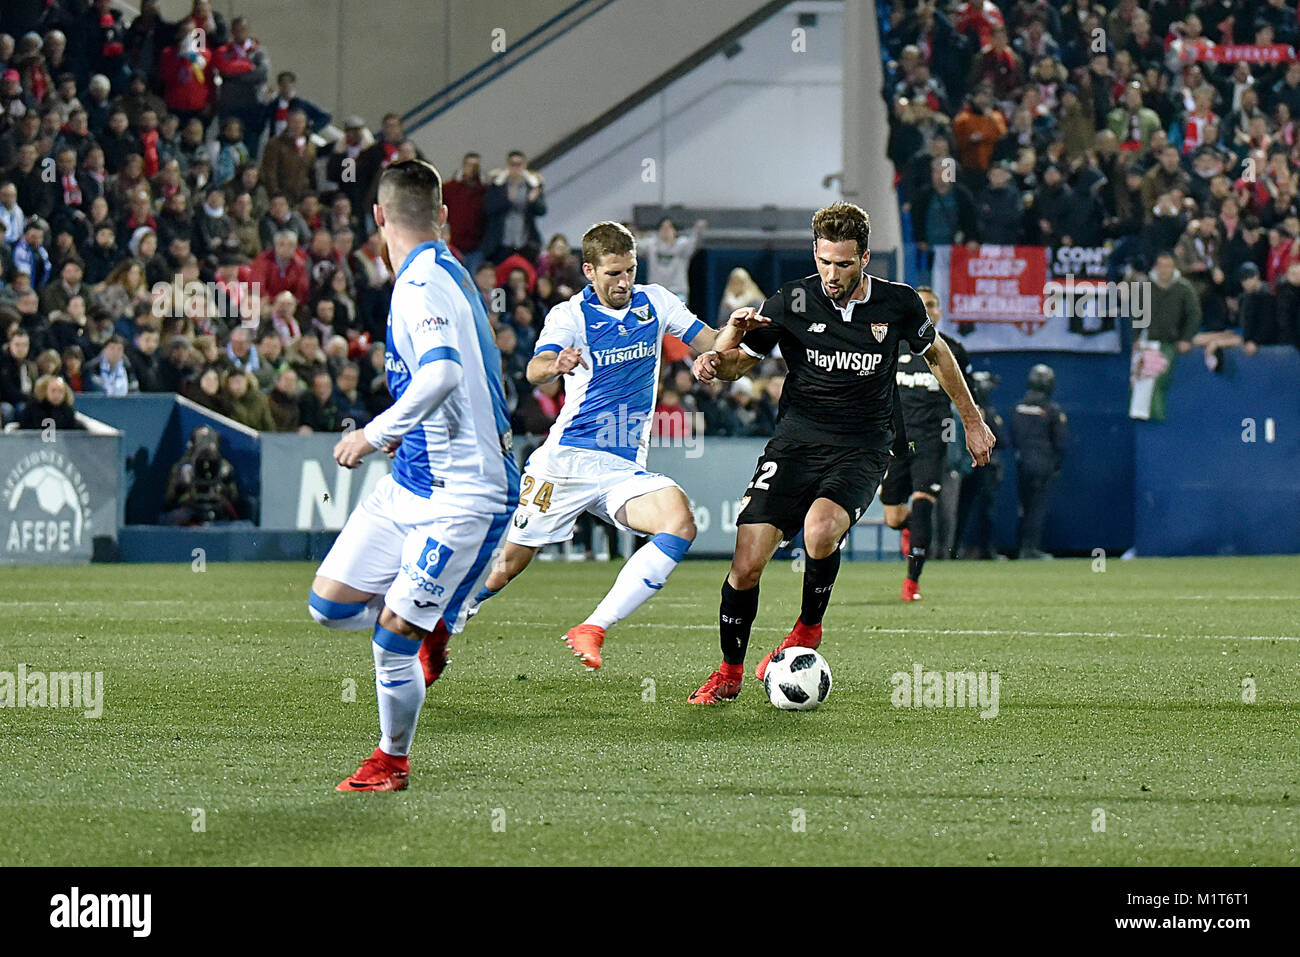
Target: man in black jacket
column 1040, row 436
column 1000, row 209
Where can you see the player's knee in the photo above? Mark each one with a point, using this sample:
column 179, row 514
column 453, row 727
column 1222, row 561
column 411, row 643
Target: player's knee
column 341, row 615
column 744, row 573
column 682, row 525
column 896, row 515
column 821, row 536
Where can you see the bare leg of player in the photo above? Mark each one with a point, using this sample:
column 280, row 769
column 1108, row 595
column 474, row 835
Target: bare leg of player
column 755, row 545
column 664, row 514
column 401, row 695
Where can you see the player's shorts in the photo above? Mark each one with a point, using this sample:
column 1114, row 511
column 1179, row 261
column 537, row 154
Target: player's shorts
column 920, row 471
column 792, row 475
column 424, row 556
column 561, row 482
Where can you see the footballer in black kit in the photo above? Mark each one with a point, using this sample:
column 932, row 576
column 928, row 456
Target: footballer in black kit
column 835, row 427
column 912, row 484
column 840, row 332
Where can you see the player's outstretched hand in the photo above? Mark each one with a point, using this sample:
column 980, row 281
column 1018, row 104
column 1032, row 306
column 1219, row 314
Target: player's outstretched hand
column 569, row 359
column 706, row 366
column 747, row 318
column 979, row 442
column 352, row 448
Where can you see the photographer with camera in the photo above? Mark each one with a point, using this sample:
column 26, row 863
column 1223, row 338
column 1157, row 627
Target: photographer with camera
column 201, row 487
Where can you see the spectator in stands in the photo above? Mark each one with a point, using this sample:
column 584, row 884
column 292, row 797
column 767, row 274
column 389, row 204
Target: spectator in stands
column 1175, row 310
column 999, row 209
column 282, row 268
column 56, row 294
column 1164, row 177
column 188, row 77
column 289, row 160
column 51, row 405
column 30, row 256
column 283, row 402
column 463, row 195
column 111, row 374
column 944, row 212
column 276, row 112
column 244, row 68
column 512, row 203
column 350, row 399
column 560, row 264
column 17, row 376
column 281, row 216
column 668, row 254
column 143, row 358
column 13, row 220
column 976, row 131
column 319, row 406
column 245, row 402
column 1257, row 310
column 740, row 292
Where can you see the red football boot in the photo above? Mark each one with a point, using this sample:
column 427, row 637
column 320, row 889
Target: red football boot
column 379, row 772
column 910, row 592
column 585, row 640
column 802, row 636
column 721, row 686
column 433, row 652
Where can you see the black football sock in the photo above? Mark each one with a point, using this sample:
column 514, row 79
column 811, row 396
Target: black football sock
column 818, row 580
column 735, row 618
column 919, row 523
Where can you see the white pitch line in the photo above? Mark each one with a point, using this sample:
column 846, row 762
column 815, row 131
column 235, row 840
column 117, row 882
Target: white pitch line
column 961, row 631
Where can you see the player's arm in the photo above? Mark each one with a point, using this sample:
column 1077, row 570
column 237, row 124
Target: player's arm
column 556, row 352
column 433, row 381
column 725, row 358
column 550, row 363
column 979, row 438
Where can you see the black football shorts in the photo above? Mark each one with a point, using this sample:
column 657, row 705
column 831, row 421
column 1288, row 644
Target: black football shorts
column 791, row 475
column 921, row 471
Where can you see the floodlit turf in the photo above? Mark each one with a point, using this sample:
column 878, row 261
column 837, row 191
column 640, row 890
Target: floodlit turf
column 1121, row 693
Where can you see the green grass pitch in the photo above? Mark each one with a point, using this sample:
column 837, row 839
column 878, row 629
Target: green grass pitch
column 225, row 725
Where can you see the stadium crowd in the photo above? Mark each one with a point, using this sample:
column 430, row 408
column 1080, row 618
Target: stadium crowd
column 1165, row 130
column 178, row 218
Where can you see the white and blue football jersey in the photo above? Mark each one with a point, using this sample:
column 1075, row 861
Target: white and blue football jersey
column 461, row 452
column 610, row 405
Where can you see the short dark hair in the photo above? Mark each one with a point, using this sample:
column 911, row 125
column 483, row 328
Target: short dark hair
column 293, row 77
column 842, row 221
column 606, row 239
column 410, row 192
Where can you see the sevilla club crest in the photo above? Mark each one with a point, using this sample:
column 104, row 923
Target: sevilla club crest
column 880, row 330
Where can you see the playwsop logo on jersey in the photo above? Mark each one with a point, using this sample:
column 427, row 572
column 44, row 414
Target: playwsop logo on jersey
column 47, row 506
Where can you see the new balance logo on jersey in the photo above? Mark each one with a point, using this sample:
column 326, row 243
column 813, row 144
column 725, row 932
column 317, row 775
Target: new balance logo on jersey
column 863, row 363
column 817, row 327
column 609, row 357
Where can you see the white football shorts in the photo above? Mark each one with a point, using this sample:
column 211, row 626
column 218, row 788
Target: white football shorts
column 561, row 482
column 425, row 557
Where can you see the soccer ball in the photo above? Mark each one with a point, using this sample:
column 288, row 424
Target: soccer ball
column 797, row 679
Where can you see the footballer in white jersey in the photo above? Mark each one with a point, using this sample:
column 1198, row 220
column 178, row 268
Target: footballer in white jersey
column 606, row 342
column 414, row 550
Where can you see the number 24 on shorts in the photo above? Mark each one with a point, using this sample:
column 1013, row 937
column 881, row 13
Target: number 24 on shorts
column 543, row 497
